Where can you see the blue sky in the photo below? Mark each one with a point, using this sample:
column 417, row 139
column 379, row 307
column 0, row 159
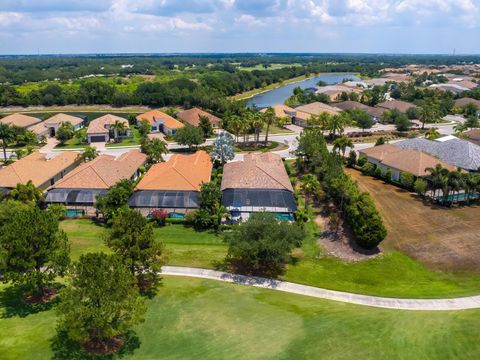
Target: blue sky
column 105, row 26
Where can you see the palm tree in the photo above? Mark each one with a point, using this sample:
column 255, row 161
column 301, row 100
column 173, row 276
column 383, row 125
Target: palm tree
column 7, row 134
column 341, row 144
column 432, row 133
column 257, row 123
column 89, row 153
column 310, row 185
column 338, row 123
column 460, row 128
column 438, row 179
column 235, row 124
column 269, row 119
column 454, row 183
column 118, row 127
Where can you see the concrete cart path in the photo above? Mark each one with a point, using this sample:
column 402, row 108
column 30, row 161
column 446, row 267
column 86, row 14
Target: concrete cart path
column 462, row 303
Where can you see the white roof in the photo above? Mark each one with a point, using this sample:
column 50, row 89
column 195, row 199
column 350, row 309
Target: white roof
column 446, row 138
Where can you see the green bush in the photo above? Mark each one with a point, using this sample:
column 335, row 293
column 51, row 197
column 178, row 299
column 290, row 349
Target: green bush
column 407, row 179
column 388, row 175
column 367, row 168
column 378, row 173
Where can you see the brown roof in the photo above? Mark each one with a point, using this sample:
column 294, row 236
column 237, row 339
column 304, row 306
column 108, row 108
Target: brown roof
column 97, row 126
column 60, row 118
column 39, row 129
column 192, row 116
column 36, row 167
column 20, row 120
column 413, row 161
column 402, row 106
column 317, row 108
column 350, row 105
column 256, row 171
column 180, row 172
column 464, row 101
column 379, row 152
column 281, row 111
column 153, row 115
column 473, row 136
column 103, row 172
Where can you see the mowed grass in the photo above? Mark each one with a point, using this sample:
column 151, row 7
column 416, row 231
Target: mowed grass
column 183, row 245
column 393, row 274
column 204, row 319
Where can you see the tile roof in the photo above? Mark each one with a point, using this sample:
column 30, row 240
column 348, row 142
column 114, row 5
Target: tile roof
column 256, row 171
column 458, row 152
column 103, row 172
column 20, row 120
column 473, row 136
column 402, row 106
column 349, row 105
column 39, row 129
column 413, row 161
column 464, row 101
column 153, row 115
column 192, row 116
column 60, row 118
column 180, row 172
column 316, row 108
column 379, row 152
column 281, row 111
column 36, row 167
column 97, row 126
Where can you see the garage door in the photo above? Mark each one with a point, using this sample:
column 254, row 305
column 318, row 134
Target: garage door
column 97, row 138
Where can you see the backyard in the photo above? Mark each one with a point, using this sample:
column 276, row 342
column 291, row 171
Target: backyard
column 393, row 274
column 440, row 238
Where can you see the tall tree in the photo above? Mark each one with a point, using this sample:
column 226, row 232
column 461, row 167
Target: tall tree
column 223, row 148
column 206, row 126
column 7, row 135
column 154, row 149
column 115, row 199
column 341, row 144
column 310, row 185
column 262, row 245
column 27, row 193
column 269, row 119
column 34, row 250
column 190, row 136
column 101, row 303
column 89, row 153
column 65, row 132
column 118, row 127
column 132, row 238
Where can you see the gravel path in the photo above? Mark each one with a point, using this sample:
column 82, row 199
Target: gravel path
column 463, row 303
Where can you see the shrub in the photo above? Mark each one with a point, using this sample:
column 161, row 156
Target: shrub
column 367, row 168
column 378, row 173
column 362, row 160
column 388, row 175
column 159, row 216
column 420, row 186
column 407, row 179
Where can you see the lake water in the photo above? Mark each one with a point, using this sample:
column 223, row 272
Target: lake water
column 282, row 93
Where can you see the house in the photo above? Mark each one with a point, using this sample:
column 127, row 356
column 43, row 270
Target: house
column 258, row 183
column 161, row 122
column 173, row 186
column 79, row 189
column 399, row 105
column 282, row 112
column 399, row 160
column 466, row 101
column 457, row 152
column 20, row 120
column 304, row 112
column 54, row 122
column 473, row 136
column 375, row 113
column 43, row 171
column 192, row 117
column 101, row 129
column 40, row 130
column 334, row 92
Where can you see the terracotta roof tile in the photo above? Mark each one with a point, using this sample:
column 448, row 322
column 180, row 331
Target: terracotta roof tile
column 103, row 172
column 60, row 118
column 317, row 108
column 153, row 115
column 180, row 172
column 192, row 116
column 36, row 167
column 20, row 120
column 256, row 171
column 97, row 126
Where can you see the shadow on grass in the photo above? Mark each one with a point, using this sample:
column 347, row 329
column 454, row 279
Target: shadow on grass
column 11, row 299
column 64, row 348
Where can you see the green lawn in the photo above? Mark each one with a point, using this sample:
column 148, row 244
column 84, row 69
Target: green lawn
column 271, row 67
column 203, row 319
column 128, row 141
column 393, row 274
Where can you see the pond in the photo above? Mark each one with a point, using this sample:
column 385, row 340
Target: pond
column 282, row 93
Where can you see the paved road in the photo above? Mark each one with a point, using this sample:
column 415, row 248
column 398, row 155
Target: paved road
column 463, row 303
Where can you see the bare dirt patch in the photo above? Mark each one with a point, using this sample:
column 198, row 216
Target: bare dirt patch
column 337, row 240
column 441, row 238
column 104, row 347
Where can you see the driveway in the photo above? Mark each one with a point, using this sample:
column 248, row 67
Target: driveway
column 49, row 146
